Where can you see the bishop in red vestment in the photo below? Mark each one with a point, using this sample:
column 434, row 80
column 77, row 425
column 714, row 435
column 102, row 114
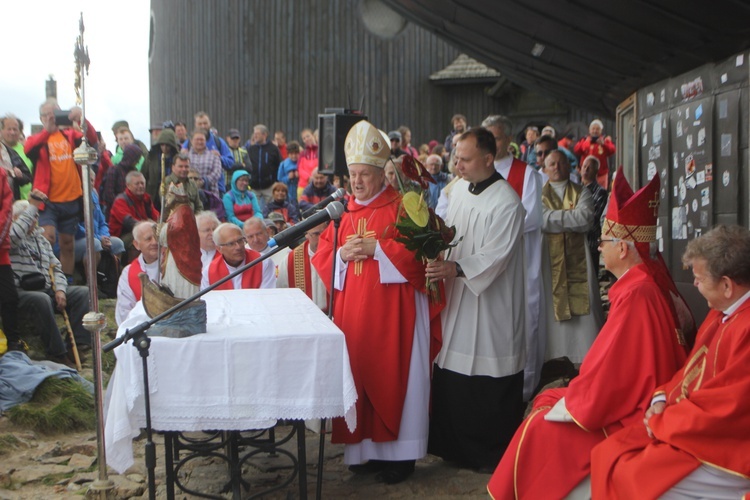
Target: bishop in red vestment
column 382, row 308
column 640, row 346
column 695, row 437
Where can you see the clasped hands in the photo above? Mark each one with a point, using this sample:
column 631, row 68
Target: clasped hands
column 358, row 249
column 655, row 409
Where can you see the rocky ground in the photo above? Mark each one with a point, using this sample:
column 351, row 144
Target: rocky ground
column 38, row 465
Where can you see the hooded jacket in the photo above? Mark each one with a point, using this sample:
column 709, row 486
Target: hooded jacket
column 151, row 169
column 238, row 204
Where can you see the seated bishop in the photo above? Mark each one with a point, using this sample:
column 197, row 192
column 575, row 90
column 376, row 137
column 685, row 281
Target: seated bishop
column 640, row 346
column 693, row 442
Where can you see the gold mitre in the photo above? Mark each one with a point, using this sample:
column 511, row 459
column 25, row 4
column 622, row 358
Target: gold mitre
column 367, row 145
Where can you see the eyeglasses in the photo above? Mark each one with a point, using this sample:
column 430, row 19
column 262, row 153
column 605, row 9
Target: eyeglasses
column 602, row 240
column 239, row 242
column 543, row 152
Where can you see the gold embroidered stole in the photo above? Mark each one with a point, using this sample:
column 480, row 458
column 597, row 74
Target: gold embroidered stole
column 567, row 252
column 299, row 267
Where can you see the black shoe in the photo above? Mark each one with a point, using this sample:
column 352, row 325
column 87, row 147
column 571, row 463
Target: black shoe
column 396, row 472
column 18, row 345
column 369, row 467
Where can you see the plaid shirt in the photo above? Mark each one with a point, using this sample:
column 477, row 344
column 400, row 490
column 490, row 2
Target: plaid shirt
column 208, row 165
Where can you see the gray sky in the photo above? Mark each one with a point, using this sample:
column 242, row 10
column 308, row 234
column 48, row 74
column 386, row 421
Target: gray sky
column 44, row 34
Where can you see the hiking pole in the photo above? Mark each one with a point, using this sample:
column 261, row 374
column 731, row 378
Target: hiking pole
column 67, row 321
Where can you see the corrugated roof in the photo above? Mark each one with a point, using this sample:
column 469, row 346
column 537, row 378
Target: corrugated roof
column 588, row 53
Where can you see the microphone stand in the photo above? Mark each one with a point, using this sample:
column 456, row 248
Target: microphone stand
column 142, row 342
column 321, row 446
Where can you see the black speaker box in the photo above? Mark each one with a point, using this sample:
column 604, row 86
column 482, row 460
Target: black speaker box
column 332, row 130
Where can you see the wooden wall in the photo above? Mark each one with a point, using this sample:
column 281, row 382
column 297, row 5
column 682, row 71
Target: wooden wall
column 282, row 62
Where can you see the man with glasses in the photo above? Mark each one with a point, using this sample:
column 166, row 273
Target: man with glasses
column 639, row 347
column 230, row 243
column 527, row 184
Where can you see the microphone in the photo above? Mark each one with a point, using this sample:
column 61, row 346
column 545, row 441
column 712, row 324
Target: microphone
column 337, row 195
column 289, row 236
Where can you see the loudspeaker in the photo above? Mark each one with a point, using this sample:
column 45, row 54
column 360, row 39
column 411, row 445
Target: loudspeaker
column 333, row 128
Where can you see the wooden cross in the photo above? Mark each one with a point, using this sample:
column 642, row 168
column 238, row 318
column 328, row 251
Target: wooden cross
column 364, row 233
column 654, row 203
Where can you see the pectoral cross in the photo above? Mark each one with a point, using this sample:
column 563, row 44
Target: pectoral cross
column 363, row 233
column 654, row 203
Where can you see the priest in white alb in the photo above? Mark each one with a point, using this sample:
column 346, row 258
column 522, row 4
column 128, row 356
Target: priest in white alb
column 477, row 386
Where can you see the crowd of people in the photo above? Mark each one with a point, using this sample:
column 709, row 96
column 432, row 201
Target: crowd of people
column 663, row 411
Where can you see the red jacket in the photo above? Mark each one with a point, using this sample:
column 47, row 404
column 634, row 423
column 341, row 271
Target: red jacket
column 127, row 210
column 36, row 149
column 6, row 219
column 585, row 148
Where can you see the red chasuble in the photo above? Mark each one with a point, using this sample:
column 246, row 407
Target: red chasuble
column 516, row 175
column 377, row 319
column 636, row 350
column 707, row 419
column 252, row 278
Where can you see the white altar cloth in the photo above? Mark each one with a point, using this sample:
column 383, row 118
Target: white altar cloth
column 267, row 355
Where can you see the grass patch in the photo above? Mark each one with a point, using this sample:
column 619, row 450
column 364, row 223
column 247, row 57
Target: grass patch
column 58, row 405
column 8, row 442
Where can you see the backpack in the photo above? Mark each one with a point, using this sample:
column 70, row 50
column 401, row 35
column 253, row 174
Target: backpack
column 107, row 275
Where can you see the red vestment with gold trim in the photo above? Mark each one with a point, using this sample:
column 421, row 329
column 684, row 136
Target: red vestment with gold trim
column 706, row 420
column 636, row 350
column 377, row 319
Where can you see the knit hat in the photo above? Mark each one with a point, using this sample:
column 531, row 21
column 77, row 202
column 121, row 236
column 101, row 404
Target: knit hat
column 130, row 155
column 367, row 145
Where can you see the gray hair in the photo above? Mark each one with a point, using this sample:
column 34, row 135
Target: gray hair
column 51, row 101
column 261, row 128
column 132, row 175
column 207, row 215
column 499, row 121
column 222, row 226
column 142, row 223
column 8, row 116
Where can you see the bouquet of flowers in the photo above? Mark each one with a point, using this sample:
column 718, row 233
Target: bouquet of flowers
column 422, row 230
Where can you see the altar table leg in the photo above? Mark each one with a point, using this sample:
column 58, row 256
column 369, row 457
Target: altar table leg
column 301, row 458
column 169, row 464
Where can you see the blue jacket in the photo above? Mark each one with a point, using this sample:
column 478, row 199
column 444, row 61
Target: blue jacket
column 100, row 224
column 235, row 196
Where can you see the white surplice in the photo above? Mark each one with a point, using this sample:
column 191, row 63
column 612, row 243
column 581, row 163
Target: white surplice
column 125, row 296
column 573, row 337
column 484, row 318
column 536, row 332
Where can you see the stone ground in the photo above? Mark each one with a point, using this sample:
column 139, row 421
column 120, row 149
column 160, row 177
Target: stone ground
column 40, row 466
column 62, row 467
